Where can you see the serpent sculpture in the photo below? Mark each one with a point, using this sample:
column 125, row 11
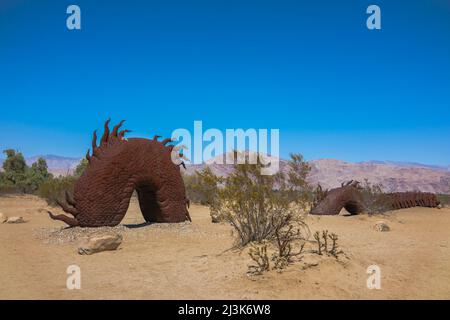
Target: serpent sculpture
column 116, row 168
column 350, row 197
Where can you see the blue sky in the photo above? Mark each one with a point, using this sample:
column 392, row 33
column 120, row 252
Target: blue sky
column 310, row 68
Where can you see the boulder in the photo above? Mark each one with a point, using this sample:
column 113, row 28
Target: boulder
column 381, row 226
column 3, row 217
column 101, row 243
column 15, row 220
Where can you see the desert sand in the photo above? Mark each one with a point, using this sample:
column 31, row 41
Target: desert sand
column 194, row 260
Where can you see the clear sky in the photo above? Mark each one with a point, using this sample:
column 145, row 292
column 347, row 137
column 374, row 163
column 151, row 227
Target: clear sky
column 309, row 68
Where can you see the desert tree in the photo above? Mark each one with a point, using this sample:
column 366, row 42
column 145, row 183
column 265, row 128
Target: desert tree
column 37, row 175
column 79, row 169
column 14, row 169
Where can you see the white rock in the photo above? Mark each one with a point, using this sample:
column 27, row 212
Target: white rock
column 3, row 217
column 381, row 226
column 96, row 244
column 15, row 220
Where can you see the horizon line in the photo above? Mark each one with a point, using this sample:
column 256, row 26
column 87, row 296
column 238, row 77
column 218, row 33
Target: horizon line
column 398, row 162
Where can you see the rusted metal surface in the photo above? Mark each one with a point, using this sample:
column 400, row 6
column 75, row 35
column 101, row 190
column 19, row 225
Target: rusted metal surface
column 350, row 197
column 117, row 167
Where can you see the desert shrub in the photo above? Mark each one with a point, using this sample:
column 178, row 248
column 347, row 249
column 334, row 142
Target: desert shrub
column 444, row 199
column 190, row 180
column 285, row 237
column 82, row 165
column 249, row 203
column 258, row 253
column 317, row 195
column 201, row 187
column 373, row 198
column 258, row 205
column 323, row 239
column 54, row 189
column 297, row 186
column 6, row 188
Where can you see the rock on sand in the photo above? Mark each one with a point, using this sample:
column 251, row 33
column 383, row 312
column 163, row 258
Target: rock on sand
column 3, row 218
column 15, row 220
column 381, row 226
column 100, row 243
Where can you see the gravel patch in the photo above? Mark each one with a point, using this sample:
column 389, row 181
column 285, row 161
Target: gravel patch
column 64, row 235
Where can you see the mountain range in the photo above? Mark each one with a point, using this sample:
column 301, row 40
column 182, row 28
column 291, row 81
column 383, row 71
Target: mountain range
column 330, row 173
column 393, row 176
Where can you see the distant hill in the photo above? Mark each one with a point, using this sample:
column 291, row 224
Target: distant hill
column 410, row 164
column 394, row 176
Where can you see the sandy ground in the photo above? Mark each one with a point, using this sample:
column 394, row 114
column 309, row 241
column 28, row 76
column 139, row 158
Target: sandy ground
column 193, row 261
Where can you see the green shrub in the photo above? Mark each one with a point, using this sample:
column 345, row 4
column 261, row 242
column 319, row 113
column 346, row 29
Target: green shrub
column 444, row 199
column 54, row 189
column 80, row 168
column 201, row 187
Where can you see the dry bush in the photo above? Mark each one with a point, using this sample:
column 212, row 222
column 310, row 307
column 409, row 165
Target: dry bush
column 285, row 237
column 283, row 251
column 201, row 187
column 319, row 242
column 322, row 243
column 317, row 195
column 334, row 246
column 54, row 189
column 258, row 205
column 373, row 198
column 258, row 253
column 444, row 199
column 263, row 209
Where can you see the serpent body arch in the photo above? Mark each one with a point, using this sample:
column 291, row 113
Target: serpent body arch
column 117, row 167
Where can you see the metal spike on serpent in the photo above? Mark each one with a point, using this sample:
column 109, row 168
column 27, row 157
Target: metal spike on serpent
column 117, row 167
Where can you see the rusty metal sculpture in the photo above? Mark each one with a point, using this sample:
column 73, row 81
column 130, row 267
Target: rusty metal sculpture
column 332, row 201
column 401, row 200
column 116, row 168
column 349, row 196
